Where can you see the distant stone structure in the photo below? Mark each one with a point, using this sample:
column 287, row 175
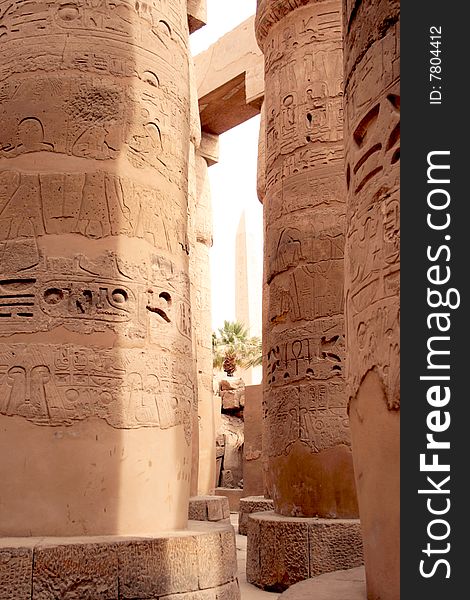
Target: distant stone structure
column 209, row 508
column 248, row 286
column 231, row 436
column 253, row 472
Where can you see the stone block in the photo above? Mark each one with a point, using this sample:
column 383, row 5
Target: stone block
column 284, row 550
column 16, row 567
column 197, row 509
column 253, row 550
column 230, row 400
column 229, row 554
column 209, row 557
column 233, row 383
column 194, row 564
column 88, row 571
column 252, row 504
column 218, row 508
column 157, row 567
column 230, row 79
column 283, row 553
column 197, row 14
column 208, row 508
column 335, row 544
column 209, row 148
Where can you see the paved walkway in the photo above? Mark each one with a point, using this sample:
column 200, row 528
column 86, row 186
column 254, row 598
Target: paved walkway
column 247, row 591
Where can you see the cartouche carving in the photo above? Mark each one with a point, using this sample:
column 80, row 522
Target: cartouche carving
column 86, row 296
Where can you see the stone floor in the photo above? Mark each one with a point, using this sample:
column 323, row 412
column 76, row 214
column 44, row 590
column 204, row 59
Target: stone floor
column 340, row 585
column 247, row 591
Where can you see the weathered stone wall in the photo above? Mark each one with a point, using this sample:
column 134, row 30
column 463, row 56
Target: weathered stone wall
column 253, row 472
column 372, row 276
column 96, row 383
column 307, row 429
column 231, row 473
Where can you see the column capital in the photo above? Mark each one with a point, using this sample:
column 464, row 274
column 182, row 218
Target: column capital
column 209, row 148
column 270, row 12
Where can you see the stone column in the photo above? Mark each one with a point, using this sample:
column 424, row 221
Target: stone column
column 372, row 276
column 206, row 407
column 95, row 354
column 310, row 470
column 261, row 165
column 203, row 329
column 194, row 142
column 96, row 359
column 261, row 192
column 200, row 238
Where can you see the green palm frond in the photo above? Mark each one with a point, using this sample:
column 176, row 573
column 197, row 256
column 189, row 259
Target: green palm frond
column 232, row 347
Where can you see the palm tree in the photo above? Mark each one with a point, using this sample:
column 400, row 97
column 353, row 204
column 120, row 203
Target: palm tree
column 232, row 348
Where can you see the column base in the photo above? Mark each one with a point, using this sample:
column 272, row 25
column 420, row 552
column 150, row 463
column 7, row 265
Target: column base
column 339, row 585
column 209, row 508
column 195, row 564
column 252, row 504
column 284, row 550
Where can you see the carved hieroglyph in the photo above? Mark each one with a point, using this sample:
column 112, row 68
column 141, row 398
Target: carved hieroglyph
column 372, row 279
column 372, row 270
column 95, row 319
column 307, row 431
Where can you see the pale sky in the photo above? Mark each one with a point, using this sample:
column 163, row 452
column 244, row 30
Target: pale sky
column 222, row 17
column 233, row 180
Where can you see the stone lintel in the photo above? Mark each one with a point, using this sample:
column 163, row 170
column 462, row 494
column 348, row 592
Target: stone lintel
column 284, row 550
column 230, row 80
column 249, row 505
column 195, row 564
column 209, row 508
column 197, row 14
column 209, row 148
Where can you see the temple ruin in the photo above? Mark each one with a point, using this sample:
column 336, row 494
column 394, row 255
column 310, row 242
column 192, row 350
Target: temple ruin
column 108, row 419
